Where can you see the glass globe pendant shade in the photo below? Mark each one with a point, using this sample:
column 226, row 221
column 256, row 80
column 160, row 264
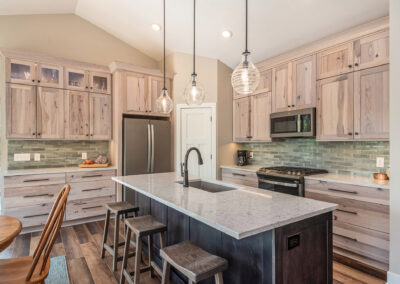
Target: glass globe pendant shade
column 164, row 102
column 246, row 77
column 194, row 92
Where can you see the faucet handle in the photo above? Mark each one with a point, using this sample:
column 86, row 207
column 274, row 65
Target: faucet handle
column 182, row 172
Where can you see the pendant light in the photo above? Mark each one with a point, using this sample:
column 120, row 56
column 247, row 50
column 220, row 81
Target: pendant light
column 245, row 77
column 194, row 92
column 164, row 102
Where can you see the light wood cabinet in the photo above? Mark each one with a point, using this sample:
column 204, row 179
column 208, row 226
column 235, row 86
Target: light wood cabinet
column 156, row 84
column 304, row 82
column 21, row 111
column 265, row 84
column 76, row 115
column 76, row 79
column 241, row 116
column 20, row 71
column 371, row 103
column 49, row 75
column 239, row 176
column 100, row 116
column 335, row 61
column 371, row 51
column 134, row 88
column 50, row 113
column 100, row 82
column 282, row 87
column 335, row 108
column 260, row 116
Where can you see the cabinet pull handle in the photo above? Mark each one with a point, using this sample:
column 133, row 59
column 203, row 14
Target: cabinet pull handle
column 239, row 175
column 346, row 237
column 347, row 211
column 32, row 180
column 92, row 189
column 92, row 207
column 344, row 191
column 39, row 195
column 37, row 215
column 92, row 176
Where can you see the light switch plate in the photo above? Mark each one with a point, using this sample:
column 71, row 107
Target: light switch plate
column 22, row 157
column 251, row 154
column 37, row 157
column 380, row 162
column 84, row 156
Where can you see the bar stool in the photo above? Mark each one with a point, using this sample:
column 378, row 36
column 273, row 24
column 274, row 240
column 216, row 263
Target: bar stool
column 118, row 209
column 141, row 226
column 193, row 262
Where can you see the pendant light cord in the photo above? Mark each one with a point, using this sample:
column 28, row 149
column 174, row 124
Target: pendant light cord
column 194, row 37
column 164, row 46
column 246, row 51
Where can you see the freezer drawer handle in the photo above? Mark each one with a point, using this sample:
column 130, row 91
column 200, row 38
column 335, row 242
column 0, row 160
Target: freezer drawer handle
column 92, row 207
column 240, row 175
column 92, row 176
column 39, row 195
column 347, row 211
column 92, row 189
column 344, row 191
column 346, row 237
column 32, row 180
column 38, row 215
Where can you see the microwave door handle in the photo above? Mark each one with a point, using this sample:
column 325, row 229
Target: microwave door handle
column 278, row 183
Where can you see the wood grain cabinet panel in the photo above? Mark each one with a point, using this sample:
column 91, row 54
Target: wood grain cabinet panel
column 20, row 71
column 238, row 176
column 88, row 207
column 371, row 103
column 282, row 88
column 50, row 113
column 100, row 116
column 335, row 108
column 100, row 82
column 21, row 111
column 135, row 92
column 304, row 82
column 260, row 116
column 265, row 84
column 335, row 61
column 50, row 75
column 76, row 79
column 76, row 115
column 371, row 51
column 241, row 126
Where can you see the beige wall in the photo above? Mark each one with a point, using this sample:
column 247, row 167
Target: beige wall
column 394, row 142
column 68, row 36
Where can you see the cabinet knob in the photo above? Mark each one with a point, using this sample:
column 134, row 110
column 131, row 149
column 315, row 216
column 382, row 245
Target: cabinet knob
column 356, row 64
column 350, row 65
column 91, row 87
column 350, row 133
column 377, row 55
column 292, row 105
column 38, row 81
column 87, row 134
column 33, row 134
column 355, row 133
column 91, row 134
column 288, row 106
column 33, row 80
column 87, row 87
column 38, row 134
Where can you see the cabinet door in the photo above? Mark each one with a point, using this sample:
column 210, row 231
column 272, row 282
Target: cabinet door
column 50, row 113
column 100, row 82
column 265, row 84
column 241, row 114
column 100, row 116
column 76, row 115
column 371, row 51
column 335, row 61
column 21, row 111
column 20, row 71
column 136, row 93
column 156, row 84
column 260, row 116
column 50, row 75
column 335, row 108
column 76, row 79
column 371, row 103
column 304, row 82
column 282, row 88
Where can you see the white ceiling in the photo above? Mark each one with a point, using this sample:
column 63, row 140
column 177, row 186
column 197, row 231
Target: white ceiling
column 275, row 26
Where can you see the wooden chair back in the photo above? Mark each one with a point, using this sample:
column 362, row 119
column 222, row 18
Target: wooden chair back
column 50, row 231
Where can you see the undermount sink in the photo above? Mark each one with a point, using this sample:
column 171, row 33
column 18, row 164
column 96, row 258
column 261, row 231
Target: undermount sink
column 210, row 186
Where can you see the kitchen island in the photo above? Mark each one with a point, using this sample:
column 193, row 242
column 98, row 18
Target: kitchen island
column 267, row 237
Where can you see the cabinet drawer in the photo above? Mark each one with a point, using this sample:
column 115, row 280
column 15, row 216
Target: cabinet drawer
column 29, row 216
column 27, row 196
column 368, row 243
column 363, row 193
column 33, row 180
column 89, row 207
column 89, row 175
column 87, row 189
column 240, row 177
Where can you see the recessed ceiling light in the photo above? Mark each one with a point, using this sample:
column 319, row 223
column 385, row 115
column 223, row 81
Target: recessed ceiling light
column 227, row 34
column 156, row 27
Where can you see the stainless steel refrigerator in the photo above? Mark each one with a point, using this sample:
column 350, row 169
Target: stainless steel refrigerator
column 146, row 148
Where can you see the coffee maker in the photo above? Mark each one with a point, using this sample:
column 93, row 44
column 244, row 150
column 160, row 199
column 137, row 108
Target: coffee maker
column 242, row 157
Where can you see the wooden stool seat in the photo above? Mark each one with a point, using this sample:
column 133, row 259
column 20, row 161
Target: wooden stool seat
column 145, row 225
column 192, row 261
column 121, row 207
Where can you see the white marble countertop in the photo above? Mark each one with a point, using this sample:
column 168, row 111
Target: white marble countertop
column 351, row 179
column 239, row 213
column 52, row 170
column 248, row 168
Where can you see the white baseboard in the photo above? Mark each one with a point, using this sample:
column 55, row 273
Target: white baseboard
column 393, row 278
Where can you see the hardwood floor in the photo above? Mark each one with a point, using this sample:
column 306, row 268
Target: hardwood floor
column 81, row 245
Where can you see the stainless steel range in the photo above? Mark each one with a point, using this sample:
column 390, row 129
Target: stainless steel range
column 289, row 180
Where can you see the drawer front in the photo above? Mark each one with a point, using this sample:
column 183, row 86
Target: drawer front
column 90, row 175
column 29, row 216
column 87, row 189
column 34, row 180
column 28, row 196
column 364, row 214
column 368, row 243
column 240, row 177
column 90, row 207
column 350, row 191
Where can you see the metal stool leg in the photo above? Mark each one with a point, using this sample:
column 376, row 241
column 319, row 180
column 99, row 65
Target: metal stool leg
column 126, row 255
column 116, row 235
column 106, row 222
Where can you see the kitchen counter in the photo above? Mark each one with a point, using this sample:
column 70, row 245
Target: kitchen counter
column 248, row 168
column 239, row 213
column 52, row 170
column 351, row 179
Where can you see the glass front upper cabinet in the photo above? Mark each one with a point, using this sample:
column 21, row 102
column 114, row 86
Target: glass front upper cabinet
column 76, row 79
column 100, row 82
column 50, row 75
column 21, row 71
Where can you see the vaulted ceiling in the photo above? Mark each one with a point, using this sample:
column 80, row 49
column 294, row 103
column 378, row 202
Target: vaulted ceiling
column 275, row 26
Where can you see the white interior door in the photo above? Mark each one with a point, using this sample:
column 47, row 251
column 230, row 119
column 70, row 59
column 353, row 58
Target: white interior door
column 197, row 131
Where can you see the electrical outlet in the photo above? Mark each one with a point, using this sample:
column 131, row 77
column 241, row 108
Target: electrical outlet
column 380, row 162
column 251, row 154
column 84, row 156
column 22, row 157
column 37, row 157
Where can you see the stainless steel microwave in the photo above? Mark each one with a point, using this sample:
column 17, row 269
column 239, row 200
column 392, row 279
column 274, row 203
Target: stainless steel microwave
column 295, row 123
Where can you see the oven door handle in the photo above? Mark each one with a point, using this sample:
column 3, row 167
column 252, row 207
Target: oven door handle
column 278, row 183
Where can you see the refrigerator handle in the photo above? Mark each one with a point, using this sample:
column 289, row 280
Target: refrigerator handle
column 149, row 140
column 152, row 147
